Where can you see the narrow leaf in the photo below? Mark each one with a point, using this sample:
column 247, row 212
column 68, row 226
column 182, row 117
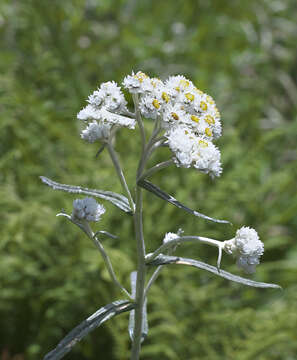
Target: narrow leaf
column 117, row 199
column 144, row 331
column 106, row 233
column 163, row 195
column 100, row 150
column 167, row 260
column 91, row 323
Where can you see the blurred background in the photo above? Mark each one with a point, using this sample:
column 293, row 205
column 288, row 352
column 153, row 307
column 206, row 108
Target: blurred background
column 53, row 55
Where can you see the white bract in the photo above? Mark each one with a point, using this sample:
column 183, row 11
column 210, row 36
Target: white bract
column 87, row 209
column 246, row 247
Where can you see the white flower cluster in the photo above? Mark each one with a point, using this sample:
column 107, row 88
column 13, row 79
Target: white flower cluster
column 105, row 110
column 189, row 117
column 87, row 209
column 246, row 247
column 170, row 236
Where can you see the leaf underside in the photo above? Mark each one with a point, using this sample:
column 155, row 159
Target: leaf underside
column 91, row 323
column 168, row 260
column 163, row 195
column 117, row 199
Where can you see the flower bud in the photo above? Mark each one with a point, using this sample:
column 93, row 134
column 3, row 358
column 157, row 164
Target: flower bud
column 246, row 247
column 87, row 209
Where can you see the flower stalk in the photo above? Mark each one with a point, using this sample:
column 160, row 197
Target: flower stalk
column 120, row 173
column 105, row 257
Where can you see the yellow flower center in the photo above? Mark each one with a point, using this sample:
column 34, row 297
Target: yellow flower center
column 140, row 79
column 184, row 83
column 175, row 116
column 195, row 118
column 198, row 91
column 203, row 143
column 156, row 103
column 209, row 99
column 209, row 119
column 217, row 112
column 203, row 105
column 165, row 97
column 189, row 96
column 140, row 76
column 208, row 132
column 177, row 89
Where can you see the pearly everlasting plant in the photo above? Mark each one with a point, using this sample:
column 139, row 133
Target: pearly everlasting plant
column 187, row 122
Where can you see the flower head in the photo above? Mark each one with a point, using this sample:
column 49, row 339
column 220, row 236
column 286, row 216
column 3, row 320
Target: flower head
column 246, row 247
column 151, row 105
column 108, row 96
column 137, row 83
column 87, row 209
column 192, row 150
column 170, row 236
column 95, row 131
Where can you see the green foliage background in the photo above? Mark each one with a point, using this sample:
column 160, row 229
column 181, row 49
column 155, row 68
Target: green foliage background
column 53, row 54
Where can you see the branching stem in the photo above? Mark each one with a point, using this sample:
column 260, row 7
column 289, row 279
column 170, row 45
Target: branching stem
column 168, row 245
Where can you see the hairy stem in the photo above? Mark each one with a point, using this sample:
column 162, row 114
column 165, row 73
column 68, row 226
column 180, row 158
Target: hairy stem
column 105, row 257
column 152, row 280
column 156, row 168
column 181, row 239
column 120, row 173
column 141, row 272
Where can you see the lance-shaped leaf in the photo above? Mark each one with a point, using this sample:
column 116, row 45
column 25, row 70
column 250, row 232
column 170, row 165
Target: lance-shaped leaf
column 163, row 195
column 117, row 199
column 144, row 331
column 91, row 323
column 168, row 260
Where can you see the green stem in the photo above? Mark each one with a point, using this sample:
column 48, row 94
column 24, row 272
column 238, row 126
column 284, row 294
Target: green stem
column 121, row 176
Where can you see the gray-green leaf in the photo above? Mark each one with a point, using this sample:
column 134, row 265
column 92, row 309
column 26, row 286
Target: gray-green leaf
column 168, row 260
column 117, row 199
column 91, row 323
column 163, row 195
